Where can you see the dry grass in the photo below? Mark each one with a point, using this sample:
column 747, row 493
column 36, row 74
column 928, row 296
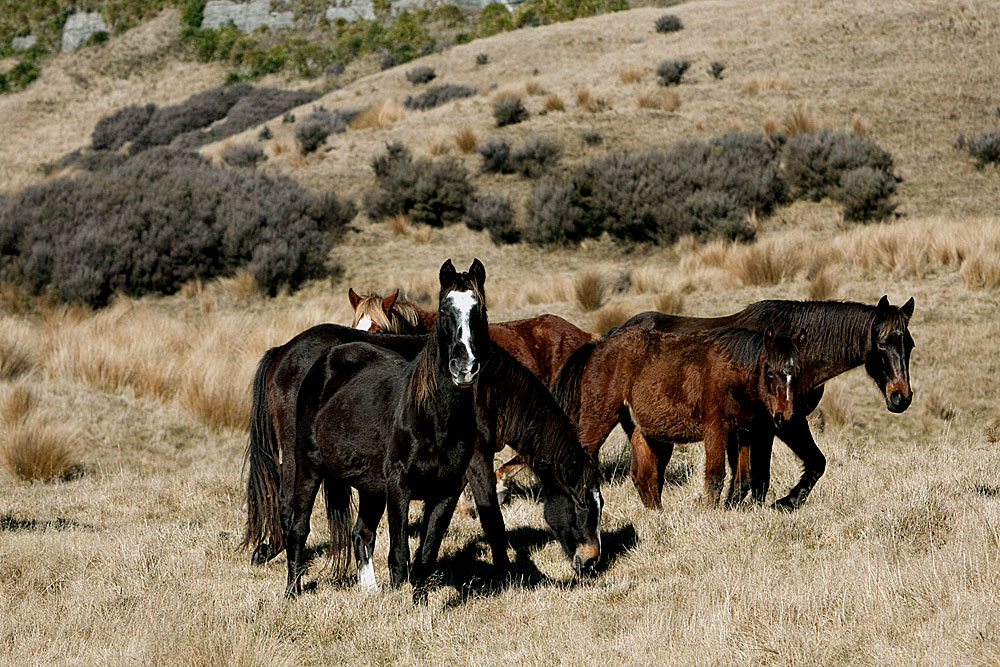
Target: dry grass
column 379, row 116
column 590, row 290
column 587, row 101
column 767, row 262
column 242, row 286
column 466, row 140
column 834, row 407
column 609, row 317
column 823, row 284
column 630, row 75
column 534, row 88
column 982, row 269
column 436, row 145
column 553, row 103
column 30, row 448
column 758, row 84
column 799, row 121
column 661, row 100
column 16, row 404
column 670, row 302
column 15, row 360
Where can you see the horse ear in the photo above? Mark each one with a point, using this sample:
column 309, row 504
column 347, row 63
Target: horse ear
column 389, row 301
column 447, row 273
column 800, row 338
column 907, row 309
column 769, row 336
column 478, row 272
column 353, row 296
column 883, row 304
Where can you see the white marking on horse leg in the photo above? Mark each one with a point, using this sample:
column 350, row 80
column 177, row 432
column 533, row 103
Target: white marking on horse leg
column 364, row 324
column 366, row 576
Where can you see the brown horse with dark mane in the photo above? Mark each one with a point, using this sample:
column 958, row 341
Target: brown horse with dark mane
column 842, row 336
column 684, row 388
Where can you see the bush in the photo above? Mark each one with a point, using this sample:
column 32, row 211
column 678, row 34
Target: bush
column 197, row 111
column 671, row 71
column 389, row 60
column 438, row 95
column 554, row 215
column 509, row 110
column 496, row 156
column 985, row 147
column 420, row 74
column 716, row 69
column 668, row 23
column 255, row 107
column 335, row 68
column 495, row 214
column 93, row 160
column 243, row 155
column 161, row 219
column 124, row 125
column 865, row 194
column 427, row 191
column 815, row 161
column 534, row 157
column 482, row 59
column 592, row 138
column 317, row 126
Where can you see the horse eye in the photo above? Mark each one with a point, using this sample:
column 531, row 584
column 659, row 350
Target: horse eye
column 770, row 375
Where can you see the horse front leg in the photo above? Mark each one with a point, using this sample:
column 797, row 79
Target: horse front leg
column 482, row 482
column 795, row 433
column 437, row 515
column 716, row 442
column 398, row 508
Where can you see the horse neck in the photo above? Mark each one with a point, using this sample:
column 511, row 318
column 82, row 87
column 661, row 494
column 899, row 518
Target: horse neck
column 838, row 334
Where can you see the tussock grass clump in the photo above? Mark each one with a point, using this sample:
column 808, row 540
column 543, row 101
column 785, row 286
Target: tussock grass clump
column 661, row 100
column 243, row 155
column 36, row 452
column 767, row 263
column 799, row 121
column 982, row 269
column 823, row 284
column 17, row 404
column 437, row 95
column 380, row 115
column 495, row 214
column 466, row 140
column 671, row 71
column 631, row 74
column 668, row 23
column 609, row 317
column 432, row 192
column 15, row 360
column 509, row 111
column 421, row 74
column 553, row 103
column 589, row 289
column 587, row 101
column 670, row 302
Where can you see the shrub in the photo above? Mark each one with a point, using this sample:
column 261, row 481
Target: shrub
column 124, row 125
column 508, row 111
column 264, row 134
column 495, row 214
column 554, row 215
column 865, row 194
column 389, row 60
column 335, row 68
column 257, row 106
column 716, row 69
column 242, row 155
column 159, row 220
column 534, row 157
column 482, row 59
column 420, row 74
column 668, row 23
column 815, row 161
column 93, row 160
column 496, row 156
column 438, row 95
column 317, row 126
column 592, row 138
column 434, row 192
column 195, row 112
column 671, row 71
column 985, row 147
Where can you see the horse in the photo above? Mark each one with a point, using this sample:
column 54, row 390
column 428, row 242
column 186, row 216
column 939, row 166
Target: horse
column 843, row 336
column 542, row 344
column 684, row 388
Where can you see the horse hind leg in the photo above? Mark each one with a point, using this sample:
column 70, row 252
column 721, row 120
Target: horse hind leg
column 738, row 453
column 371, row 506
column 295, row 520
column 504, row 475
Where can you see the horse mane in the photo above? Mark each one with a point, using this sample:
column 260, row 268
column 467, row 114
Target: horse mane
column 742, row 345
column 841, row 327
column 402, row 318
column 406, row 312
column 423, row 381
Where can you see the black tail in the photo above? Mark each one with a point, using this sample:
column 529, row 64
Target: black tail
column 263, row 530
column 567, row 385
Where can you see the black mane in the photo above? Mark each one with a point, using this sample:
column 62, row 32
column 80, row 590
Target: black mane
column 842, row 327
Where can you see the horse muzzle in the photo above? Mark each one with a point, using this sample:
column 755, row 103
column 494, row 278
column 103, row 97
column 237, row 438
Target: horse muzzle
column 897, row 401
column 585, row 559
column 463, row 375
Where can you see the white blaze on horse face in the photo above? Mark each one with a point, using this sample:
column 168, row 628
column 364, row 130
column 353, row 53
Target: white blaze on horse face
column 366, row 576
column 788, row 387
column 364, row 324
column 464, row 302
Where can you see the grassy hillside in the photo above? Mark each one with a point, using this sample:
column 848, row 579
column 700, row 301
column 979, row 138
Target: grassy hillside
column 130, row 554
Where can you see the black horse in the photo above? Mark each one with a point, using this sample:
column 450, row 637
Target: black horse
column 842, row 336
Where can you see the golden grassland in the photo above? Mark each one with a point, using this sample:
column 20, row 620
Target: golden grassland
column 128, row 553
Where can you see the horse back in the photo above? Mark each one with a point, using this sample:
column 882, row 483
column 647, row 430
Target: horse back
column 541, row 344
column 678, row 324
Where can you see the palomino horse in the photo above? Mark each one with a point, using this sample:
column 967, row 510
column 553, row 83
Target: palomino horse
column 683, row 388
column 542, row 344
column 842, row 336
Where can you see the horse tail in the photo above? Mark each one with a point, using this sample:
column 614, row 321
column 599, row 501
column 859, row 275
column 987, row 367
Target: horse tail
column 263, row 529
column 339, row 518
column 566, row 388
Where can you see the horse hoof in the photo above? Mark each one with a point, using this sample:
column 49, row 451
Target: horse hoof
column 786, row 504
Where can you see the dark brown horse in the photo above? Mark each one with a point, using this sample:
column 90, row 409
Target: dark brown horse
column 684, row 388
column 842, row 336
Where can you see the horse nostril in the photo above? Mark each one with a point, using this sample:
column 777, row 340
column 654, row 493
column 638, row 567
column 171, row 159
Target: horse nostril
column 474, row 369
column 896, row 397
column 779, row 420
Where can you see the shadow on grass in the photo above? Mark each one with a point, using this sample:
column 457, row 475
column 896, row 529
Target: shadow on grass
column 11, row 523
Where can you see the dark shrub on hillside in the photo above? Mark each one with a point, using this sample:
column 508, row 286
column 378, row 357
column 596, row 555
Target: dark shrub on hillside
column 124, row 125
column 535, row 156
column 671, row 71
column 264, row 134
column 258, row 106
column 592, row 138
column 716, row 69
column 242, row 155
column 389, row 60
column 433, row 192
column 815, row 161
column 509, row 110
column 196, row 112
column 336, row 68
column 865, row 194
column 482, row 59
column 716, row 214
column 438, row 95
column 555, row 215
column 317, row 126
column 495, row 214
column 93, row 160
column 668, row 23
column 496, row 156
column 159, row 220
column 420, row 74
column 985, row 147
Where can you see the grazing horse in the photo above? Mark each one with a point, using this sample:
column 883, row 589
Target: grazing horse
column 842, row 336
column 684, row 388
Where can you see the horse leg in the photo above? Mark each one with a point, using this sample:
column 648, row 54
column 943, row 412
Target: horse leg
column 371, row 506
column 795, row 433
column 437, row 515
column 503, row 477
column 716, row 442
column 649, row 460
column 482, row 482
column 761, row 439
column 739, row 451
column 398, row 507
column 296, row 513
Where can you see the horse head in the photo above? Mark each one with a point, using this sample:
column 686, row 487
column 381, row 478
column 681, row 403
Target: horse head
column 888, row 359
column 574, row 515
column 779, row 371
column 462, row 325
column 372, row 313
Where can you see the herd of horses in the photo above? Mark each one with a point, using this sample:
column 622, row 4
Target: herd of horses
column 413, row 404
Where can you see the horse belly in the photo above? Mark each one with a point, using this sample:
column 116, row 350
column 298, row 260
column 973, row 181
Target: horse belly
column 667, row 407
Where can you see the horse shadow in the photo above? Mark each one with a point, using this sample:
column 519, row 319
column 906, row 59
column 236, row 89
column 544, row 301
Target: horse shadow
column 467, row 571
